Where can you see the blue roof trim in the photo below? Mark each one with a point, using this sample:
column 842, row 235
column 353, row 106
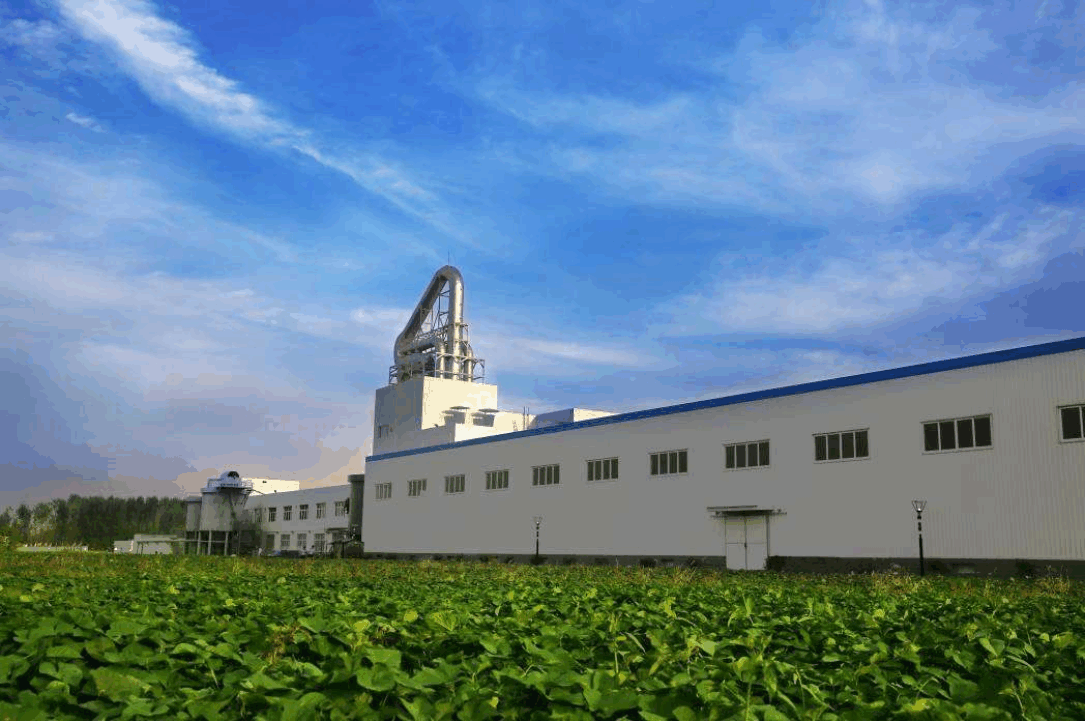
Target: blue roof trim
column 972, row 361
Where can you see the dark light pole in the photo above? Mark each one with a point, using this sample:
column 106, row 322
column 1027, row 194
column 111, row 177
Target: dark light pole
column 919, row 506
column 538, row 522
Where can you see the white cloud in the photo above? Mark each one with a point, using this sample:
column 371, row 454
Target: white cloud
column 85, row 122
column 870, row 288
column 164, row 59
column 866, row 106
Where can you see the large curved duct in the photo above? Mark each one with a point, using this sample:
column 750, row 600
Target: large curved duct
column 434, row 341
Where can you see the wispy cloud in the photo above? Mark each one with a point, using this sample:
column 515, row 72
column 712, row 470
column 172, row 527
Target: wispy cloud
column 165, row 60
column 868, row 288
column 85, row 122
column 862, row 108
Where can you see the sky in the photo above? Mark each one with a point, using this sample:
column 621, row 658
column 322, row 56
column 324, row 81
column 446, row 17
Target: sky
column 215, row 218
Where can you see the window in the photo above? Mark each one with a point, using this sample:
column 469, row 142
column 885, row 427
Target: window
column 321, row 510
column 383, row 491
column 746, row 455
column 271, row 514
column 301, row 541
column 318, row 543
column 269, row 542
column 957, row 433
column 668, row 463
column 605, row 469
column 284, row 541
column 546, row 475
column 416, row 488
column 497, row 480
column 384, row 431
column 258, row 514
column 287, row 510
column 842, row 446
column 340, row 508
column 455, row 484
column 1071, row 417
column 303, row 511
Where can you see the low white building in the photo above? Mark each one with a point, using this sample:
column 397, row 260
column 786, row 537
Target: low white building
column 148, row 544
column 817, row 476
column 306, row 521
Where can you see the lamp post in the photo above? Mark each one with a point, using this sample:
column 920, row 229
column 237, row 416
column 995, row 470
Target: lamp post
column 538, row 522
column 919, row 506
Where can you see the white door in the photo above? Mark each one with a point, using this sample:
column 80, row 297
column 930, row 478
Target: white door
column 757, row 542
column 735, row 534
column 747, row 542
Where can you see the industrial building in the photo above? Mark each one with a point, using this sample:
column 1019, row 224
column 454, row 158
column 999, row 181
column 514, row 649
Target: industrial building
column 816, row 476
column 271, row 516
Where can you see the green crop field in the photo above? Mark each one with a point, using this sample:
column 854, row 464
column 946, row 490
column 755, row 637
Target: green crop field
column 94, row 636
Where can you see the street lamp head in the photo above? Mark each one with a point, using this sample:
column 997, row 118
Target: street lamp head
column 538, row 520
column 919, row 506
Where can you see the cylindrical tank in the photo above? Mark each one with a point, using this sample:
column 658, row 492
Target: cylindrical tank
column 215, row 514
column 357, row 494
column 192, row 513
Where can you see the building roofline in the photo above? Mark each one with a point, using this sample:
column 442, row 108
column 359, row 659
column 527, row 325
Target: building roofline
column 948, row 364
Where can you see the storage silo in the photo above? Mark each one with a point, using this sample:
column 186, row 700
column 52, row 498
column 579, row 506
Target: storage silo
column 222, row 503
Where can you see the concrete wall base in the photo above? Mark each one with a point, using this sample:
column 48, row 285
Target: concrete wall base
column 959, row 567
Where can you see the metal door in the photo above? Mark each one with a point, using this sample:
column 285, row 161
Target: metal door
column 757, row 542
column 735, row 535
column 747, row 542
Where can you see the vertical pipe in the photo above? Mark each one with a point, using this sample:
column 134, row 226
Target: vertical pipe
column 919, row 520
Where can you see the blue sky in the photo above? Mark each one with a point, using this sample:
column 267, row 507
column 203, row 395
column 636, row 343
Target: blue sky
column 215, row 220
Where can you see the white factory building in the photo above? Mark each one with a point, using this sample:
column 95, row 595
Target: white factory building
column 271, row 516
column 817, row 476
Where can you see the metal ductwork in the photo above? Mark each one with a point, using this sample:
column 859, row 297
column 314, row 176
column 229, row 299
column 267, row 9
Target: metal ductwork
column 434, row 342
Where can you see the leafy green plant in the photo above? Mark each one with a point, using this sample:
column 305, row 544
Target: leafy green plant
column 102, row 636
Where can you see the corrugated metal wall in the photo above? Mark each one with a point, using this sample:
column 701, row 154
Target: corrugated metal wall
column 1022, row 498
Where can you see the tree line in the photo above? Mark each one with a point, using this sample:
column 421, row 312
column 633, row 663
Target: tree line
column 92, row 521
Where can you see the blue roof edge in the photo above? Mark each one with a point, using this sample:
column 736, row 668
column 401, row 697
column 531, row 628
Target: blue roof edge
column 948, row 364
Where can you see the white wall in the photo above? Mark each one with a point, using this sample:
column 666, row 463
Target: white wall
column 1022, row 498
column 309, row 526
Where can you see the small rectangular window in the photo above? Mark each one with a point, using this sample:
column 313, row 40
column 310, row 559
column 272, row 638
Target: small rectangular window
column 303, row 512
column 455, row 484
column 321, row 510
column 604, row 469
column 286, row 512
column 496, row 480
column 834, row 446
column 546, row 475
column 416, row 487
column 964, row 433
column 271, row 514
column 284, row 541
column 746, row 455
column 1071, row 423
column 841, row 446
column 957, row 434
column 667, row 462
column 930, row 436
column 983, row 431
column 945, row 435
column 303, row 539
